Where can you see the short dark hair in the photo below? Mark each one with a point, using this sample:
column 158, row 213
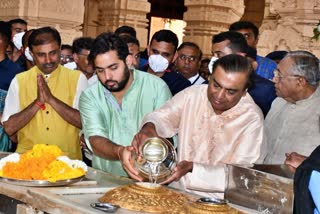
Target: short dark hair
column 245, row 25
column 82, row 43
column 252, row 53
column 5, row 31
column 205, row 60
column 126, row 30
column 50, row 34
column 235, row 63
column 19, row 21
column 66, row 46
column 166, row 36
column 276, row 55
column 192, row 45
column 237, row 41
column 130, row 39
column 106, row 42
column 25, row 37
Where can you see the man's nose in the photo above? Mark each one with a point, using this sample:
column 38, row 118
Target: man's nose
column 221, row 94
column 47, row 59
column 275, row 79
column 108, row 75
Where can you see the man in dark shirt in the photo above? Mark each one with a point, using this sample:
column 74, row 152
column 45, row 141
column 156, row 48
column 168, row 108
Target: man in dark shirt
column 231, row 42
column 8, row 69
column 162, row 52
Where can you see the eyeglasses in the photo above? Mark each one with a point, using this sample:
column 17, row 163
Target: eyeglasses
column 189, row 58
column 277, row 75
column 84, row 55
column 66, row 58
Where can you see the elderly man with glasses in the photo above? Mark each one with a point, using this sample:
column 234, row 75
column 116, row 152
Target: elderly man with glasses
column 293, row 122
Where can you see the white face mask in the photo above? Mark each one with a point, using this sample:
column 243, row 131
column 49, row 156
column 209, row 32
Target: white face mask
column 27, row 54
column 158, row 63
column 213, row 59
column 17, row 40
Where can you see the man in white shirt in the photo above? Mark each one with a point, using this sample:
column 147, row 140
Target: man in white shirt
column 81, row 49
column 188, row 62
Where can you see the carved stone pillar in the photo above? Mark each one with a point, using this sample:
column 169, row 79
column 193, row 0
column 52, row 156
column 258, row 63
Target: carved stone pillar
column 65, row 15
column 208, row 17
column 102, row 16
column 288, row 25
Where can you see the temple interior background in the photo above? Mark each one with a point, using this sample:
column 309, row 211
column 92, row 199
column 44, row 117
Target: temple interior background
column 283, row 24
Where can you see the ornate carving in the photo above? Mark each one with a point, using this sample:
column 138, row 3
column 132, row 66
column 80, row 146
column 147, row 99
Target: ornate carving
column 285, row 29
column 139, row 197
column 9, row 4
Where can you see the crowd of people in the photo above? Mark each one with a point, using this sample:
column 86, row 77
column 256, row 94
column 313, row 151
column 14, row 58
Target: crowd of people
column 100, row 98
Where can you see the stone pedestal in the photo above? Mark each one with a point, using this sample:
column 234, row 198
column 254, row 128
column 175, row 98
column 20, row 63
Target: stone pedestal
column 102, row 16
column 288, row 25
column 65, row 15
column 208, row 17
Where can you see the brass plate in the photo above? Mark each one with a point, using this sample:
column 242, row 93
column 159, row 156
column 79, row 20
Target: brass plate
column 154, row 199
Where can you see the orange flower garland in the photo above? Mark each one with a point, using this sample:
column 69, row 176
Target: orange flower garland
column 40, row 163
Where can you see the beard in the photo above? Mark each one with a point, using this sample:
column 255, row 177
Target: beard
column 118, row 86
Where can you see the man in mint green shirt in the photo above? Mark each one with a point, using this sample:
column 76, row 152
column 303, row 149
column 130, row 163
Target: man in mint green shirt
column 112, row 109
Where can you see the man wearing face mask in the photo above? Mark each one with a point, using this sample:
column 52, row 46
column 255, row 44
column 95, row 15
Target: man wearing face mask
column 26, row 51
column 162, row 52
column 8, row 70
column 112, row 109
column 25, row 59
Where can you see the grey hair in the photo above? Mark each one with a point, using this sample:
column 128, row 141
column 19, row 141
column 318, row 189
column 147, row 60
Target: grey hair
column 306, row 65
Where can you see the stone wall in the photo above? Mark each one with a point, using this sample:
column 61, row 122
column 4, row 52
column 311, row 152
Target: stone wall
column 65, row 15
column 288, row 25
column 101, row 16
column 208, row 17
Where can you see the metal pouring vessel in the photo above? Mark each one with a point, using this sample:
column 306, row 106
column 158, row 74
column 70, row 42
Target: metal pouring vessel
column 156, row 150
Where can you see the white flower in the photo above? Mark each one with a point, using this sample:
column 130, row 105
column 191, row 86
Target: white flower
column 14, row 157
column 73, row 163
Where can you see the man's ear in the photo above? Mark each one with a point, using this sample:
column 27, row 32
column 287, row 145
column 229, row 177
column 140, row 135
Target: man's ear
column 175, row 56
column 245, row 92
column 302, row 82
column 256, row 41
column 129, row 60
column 75, row 57
column 148, row 50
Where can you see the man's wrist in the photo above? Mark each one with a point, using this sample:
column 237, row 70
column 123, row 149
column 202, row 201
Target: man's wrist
column 42, row 106
column 190, row 166
column 120, row 149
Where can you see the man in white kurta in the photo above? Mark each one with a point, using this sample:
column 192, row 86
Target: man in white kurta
column 293, row 122
column 211, row 133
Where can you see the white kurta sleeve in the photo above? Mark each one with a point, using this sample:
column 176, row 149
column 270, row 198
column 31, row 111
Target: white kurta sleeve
column 12, row 103
column 82, row 85
column 207, row 178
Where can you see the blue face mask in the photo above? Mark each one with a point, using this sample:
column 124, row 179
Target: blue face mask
column 158, row 63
